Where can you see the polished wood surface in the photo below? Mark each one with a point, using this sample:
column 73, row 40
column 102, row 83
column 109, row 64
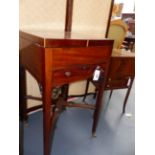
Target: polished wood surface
column 37, row 35
column 122, row 53
column 57, row 58
column 122, row 67
column 120, row 75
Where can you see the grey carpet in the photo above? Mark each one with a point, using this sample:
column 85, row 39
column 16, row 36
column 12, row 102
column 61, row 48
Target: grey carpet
column 115, row 133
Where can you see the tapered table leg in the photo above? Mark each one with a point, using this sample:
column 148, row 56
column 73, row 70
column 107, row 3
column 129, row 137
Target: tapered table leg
column 48, row 114
column 51, row 112
column 127, row 95
column 99, row 104
column 22, row 94
column 47, row 118
column 111, row 91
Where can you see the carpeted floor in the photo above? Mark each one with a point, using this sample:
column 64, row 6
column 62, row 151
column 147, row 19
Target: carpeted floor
column 115, row 133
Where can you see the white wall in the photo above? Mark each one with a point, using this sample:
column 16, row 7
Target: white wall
column 128, row 5
column 49, row 14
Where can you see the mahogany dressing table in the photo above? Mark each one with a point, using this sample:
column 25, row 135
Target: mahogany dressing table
column 57, row 58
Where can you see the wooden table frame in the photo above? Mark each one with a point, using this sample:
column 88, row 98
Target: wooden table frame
column 58, row 61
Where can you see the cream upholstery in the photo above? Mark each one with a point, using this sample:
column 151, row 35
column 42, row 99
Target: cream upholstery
column 117, row 31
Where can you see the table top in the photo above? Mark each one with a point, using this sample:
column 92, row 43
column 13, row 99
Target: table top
column 60, row 34
column 56, row 38
column 122, row 53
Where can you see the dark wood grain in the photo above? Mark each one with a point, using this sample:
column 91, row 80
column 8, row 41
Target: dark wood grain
column 47, row 101
column 65, row 43
column 33, row 54
column 59, row 39
column 30, row 38
column 121, row 67
column 58, row 61
column 65, row 57
column 71, row 74
column 22, row 94
column 120, row 75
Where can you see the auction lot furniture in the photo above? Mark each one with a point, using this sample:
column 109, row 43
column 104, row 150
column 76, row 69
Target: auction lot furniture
column 120, row 75
column 58, row 58
column 121, row 72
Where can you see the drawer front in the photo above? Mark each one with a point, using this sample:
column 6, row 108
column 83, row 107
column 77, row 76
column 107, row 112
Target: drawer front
column 121, row 68
column 116, row 84
column 75, row 73
column 66, row 57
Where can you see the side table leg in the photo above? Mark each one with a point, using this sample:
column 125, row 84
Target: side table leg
column 47, row 117
column 22, row 94
column 126, row 97
column 86, row 90
column 111, row 91
column 97, row 110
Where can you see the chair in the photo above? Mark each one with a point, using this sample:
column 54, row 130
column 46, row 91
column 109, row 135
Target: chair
column 129, row 43
column 117, row 31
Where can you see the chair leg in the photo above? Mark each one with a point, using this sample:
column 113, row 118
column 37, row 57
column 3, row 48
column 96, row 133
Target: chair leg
column 127, row 95
column 86, row 90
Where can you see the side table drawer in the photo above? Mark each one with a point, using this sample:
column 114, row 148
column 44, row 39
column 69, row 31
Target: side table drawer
column 75, row 73
column 121, row 68
column 117, row 83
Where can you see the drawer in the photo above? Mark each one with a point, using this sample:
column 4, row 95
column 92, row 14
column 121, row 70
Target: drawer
column 116, row 84
column 121, row 68
column 74, row 73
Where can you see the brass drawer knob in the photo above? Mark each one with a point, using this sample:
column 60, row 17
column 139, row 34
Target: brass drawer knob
column 68, row 73
column 85, row 67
